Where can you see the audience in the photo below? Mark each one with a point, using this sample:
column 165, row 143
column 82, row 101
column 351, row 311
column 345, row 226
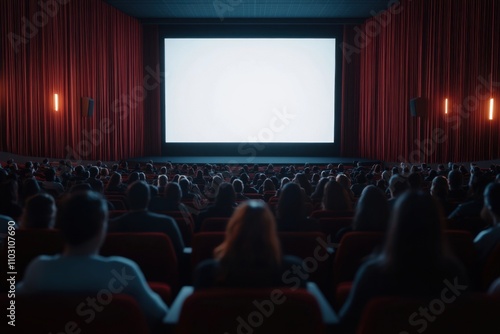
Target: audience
column 94, row 180
column 291, row 214
column 473, row 207
column 486, row 241
column 140, row 219
column 371, row 214
column 359, row 185
column 455, row 184
column 345, row 182
column 238, row 189
column 51, row 184
column 115, row 184
column 414, row 261
column 439, row 190
column 301, row 179
column 39, row 212
column 397, row 185
column 336, row 198
column 30, row 188
column 79, row 268
column 250, row 255
column 224, row 205
column 317, row 195
column 9, row 200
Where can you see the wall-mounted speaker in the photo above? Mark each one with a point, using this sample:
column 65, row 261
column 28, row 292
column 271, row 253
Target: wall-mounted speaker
column 87, row 107
column 418, row 107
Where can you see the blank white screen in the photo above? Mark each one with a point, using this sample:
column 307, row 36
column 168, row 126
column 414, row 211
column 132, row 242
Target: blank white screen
column 249, row 90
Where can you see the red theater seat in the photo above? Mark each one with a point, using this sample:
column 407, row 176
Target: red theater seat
column 214, row 224
column 153, row 252
column 53, row 313
column 463, row 315
column 263, row 311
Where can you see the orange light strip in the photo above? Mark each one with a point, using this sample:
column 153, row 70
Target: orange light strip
column 446, row 106
column 56, row 102
column 491, row 109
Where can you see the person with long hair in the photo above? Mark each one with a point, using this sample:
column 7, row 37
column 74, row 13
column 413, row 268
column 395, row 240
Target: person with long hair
column 115, row 184
column 371, row 214
column 291, row 211
column 224, row 205
column 415, row 260
column 335, row 198
column 250, row 255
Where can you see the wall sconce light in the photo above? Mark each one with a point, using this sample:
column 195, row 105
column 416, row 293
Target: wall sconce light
column 491, row 109
column 56, row 102
column 446, row 106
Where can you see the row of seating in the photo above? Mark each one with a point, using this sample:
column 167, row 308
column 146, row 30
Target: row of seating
column 244, row 311
column 327, row 267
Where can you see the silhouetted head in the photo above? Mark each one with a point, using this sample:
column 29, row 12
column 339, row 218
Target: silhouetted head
column 138, row 195
column 439, row 187
column 397, row 185
column 39, row 212
column 372, row 210
column 335, row 197
column 238, row 186
column 162, row 180
column 291, row 203
column 173, row 192
column 492, row 200
column 455, row 179
column 82, row 217
column 226, row 195
column 50, row 174
column 415, row 237
column 251, row 238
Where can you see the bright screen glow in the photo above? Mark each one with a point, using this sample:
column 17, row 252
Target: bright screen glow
column 226, row 90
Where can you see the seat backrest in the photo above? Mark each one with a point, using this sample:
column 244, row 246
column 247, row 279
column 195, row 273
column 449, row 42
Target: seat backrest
column 244, row 310
column 474, row 225
column 330, row 214
column 311, row 248
column 354, row 248
column 465, row 314
column 214, row 224
column 55, row 313
column 184, row 222
column 204, row 244
column 331, row 226
column 153, row 252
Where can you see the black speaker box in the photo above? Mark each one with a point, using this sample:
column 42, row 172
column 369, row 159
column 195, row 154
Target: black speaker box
column 87, row 107
column 418, row 107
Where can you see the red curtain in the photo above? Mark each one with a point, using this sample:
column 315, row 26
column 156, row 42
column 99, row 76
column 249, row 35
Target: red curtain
column 349, row 145
column 75, row 49
column 153, row 79
column 434, row 49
